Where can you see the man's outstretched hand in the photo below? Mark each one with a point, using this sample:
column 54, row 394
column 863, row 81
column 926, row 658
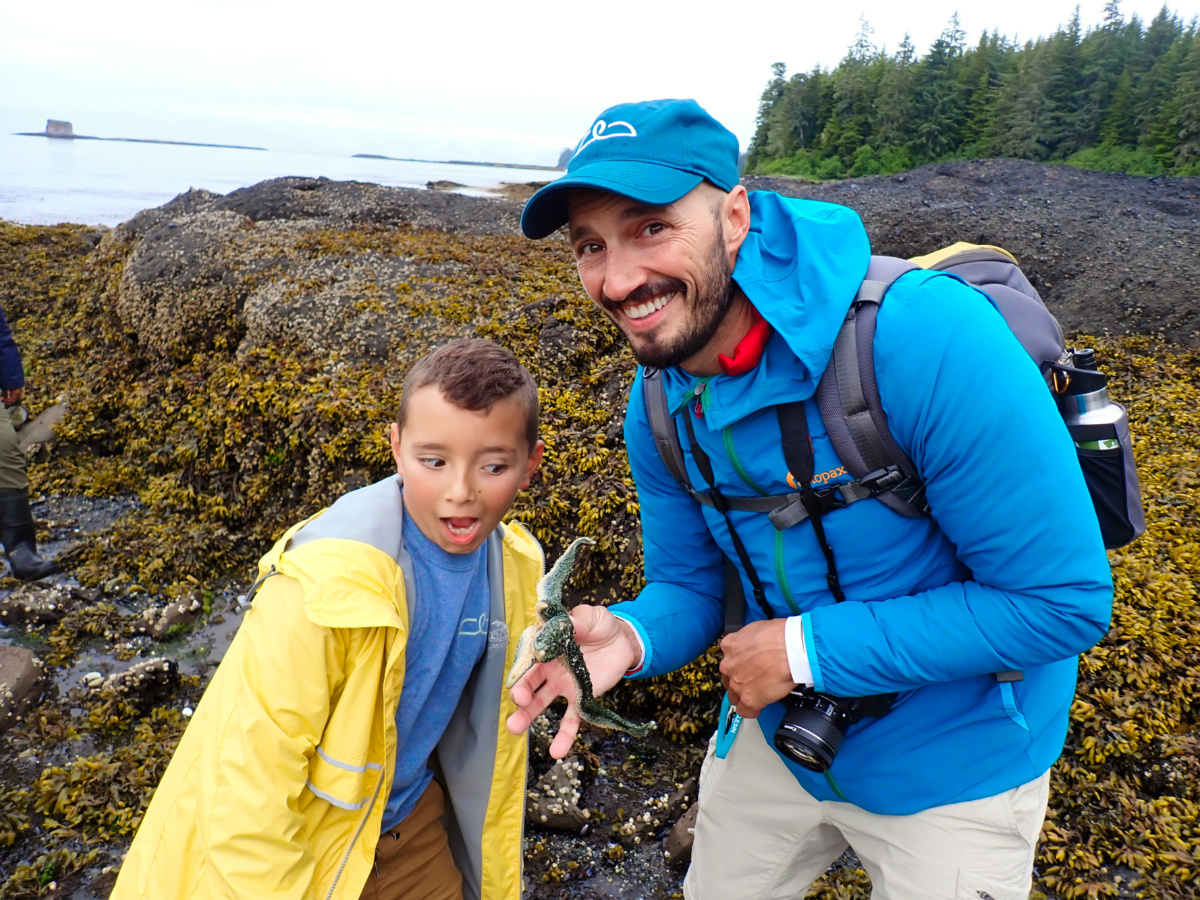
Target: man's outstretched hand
column 610, row 649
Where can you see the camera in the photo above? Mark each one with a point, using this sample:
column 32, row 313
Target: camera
column 814, row 725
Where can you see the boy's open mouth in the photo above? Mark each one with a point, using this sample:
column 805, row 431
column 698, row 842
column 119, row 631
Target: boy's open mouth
column 461, row 529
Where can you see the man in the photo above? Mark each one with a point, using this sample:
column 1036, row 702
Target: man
column 737, row 299
column 18, row 532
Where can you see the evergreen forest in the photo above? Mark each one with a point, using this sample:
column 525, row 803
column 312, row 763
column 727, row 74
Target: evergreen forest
column 1124, row 96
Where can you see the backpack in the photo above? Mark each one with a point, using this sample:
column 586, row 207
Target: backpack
column 848, row 398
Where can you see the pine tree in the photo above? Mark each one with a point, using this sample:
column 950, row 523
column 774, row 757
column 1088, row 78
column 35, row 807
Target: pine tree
column 1154, row 99
column 1187, row 112
column 1113, row 20
column 1069, row 117
column 1119, row 129
column 939, row 101
column 1026, row 123
column 893, row 113
column 981, row 84
column 771, row 95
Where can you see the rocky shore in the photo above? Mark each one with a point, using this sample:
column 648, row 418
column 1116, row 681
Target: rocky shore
column 224, row 365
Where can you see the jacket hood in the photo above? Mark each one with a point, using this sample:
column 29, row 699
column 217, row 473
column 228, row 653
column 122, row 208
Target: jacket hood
column 351, row 560
column 801, row 266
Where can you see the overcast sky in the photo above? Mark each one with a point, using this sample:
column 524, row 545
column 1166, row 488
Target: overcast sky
column 441, row 79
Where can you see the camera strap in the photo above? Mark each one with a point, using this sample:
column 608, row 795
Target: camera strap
column 798, row 454
column 704, row 464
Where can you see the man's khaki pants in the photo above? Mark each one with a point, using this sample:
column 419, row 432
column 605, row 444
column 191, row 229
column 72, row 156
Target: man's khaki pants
column 760, row 836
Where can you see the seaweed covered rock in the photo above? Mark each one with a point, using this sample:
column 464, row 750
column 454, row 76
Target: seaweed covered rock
column 178, row 295
column 352, row 203
column 264, row 416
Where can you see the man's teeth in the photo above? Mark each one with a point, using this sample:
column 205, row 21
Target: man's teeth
column 644, row 309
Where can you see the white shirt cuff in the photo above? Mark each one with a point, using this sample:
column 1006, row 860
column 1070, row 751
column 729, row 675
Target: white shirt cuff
column 641, row 651
column 797, row 653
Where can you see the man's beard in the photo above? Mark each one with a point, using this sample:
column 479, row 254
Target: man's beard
column 706, row 311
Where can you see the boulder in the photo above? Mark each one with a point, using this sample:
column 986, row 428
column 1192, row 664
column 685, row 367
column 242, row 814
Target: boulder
column 22, row 683
column 657, row 814
column 166, row 621
column 553, row 801
column 678, row 846
column 347, row 303
column 36, row 437
column 35, row 605
column 147, row 680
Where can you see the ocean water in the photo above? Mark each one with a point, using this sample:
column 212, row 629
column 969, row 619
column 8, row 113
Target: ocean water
column 45, row 181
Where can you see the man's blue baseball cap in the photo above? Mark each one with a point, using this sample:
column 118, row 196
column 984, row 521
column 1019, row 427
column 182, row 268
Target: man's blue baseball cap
column 653, row 152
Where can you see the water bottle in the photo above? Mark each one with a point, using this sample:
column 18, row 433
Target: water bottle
column 1095, row 422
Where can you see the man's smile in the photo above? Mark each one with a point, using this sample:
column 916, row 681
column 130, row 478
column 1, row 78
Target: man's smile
column 639, row 311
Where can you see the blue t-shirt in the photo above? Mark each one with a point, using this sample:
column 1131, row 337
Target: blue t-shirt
column 448, row 635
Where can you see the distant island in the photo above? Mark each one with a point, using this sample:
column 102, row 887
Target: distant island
column 62, row 130
column 459, row 162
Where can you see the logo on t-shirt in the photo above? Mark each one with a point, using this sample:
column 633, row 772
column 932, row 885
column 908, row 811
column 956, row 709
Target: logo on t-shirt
column 472, row 626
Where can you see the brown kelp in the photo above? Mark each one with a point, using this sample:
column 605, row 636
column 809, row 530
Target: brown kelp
column 256, row 415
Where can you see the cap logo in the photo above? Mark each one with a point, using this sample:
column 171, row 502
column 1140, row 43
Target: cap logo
column 600, row 132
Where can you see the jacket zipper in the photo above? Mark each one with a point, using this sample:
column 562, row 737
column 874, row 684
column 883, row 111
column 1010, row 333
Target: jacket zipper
column 528, row 738
column 781, row 574
column 354, row 840
column 358, row 833
column 731, row 452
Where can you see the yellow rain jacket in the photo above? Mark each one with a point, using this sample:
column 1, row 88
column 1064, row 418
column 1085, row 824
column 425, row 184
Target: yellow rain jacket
column 278, row 786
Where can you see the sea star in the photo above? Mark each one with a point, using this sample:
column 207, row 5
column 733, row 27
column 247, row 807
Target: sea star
column 554, row 636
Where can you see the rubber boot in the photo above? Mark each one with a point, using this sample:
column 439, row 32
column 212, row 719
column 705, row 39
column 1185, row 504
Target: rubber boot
column 19, row 536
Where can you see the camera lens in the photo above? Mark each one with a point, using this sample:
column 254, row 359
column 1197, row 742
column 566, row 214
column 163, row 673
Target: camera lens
column 811, row 730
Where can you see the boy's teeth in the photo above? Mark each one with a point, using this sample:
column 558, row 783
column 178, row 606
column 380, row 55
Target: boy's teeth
column 644, row 309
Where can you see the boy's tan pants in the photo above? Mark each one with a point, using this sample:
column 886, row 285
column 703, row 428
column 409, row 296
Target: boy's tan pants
column 760, row 836
column 413, row 861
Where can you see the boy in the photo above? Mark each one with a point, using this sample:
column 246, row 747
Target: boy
column 377, row 643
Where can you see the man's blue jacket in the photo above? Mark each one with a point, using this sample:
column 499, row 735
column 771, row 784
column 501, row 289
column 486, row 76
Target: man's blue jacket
column 1009, row 573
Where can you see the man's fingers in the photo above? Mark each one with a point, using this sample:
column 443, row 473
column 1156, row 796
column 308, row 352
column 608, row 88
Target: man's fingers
column 567, row 730
column 523, row 690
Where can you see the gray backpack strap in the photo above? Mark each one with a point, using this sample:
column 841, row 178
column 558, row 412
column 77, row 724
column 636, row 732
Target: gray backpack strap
column 850, row 406
column 662, row 426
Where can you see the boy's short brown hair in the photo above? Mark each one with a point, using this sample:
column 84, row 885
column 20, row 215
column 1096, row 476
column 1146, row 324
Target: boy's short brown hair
column 473, row 374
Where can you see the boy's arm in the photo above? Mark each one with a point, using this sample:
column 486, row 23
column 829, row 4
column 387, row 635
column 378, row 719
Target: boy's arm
column 274, row 701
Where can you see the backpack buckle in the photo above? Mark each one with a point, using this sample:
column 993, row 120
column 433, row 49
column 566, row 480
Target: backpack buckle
column 882, row 479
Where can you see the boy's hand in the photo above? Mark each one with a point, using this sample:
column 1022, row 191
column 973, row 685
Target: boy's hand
column 610, row 649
